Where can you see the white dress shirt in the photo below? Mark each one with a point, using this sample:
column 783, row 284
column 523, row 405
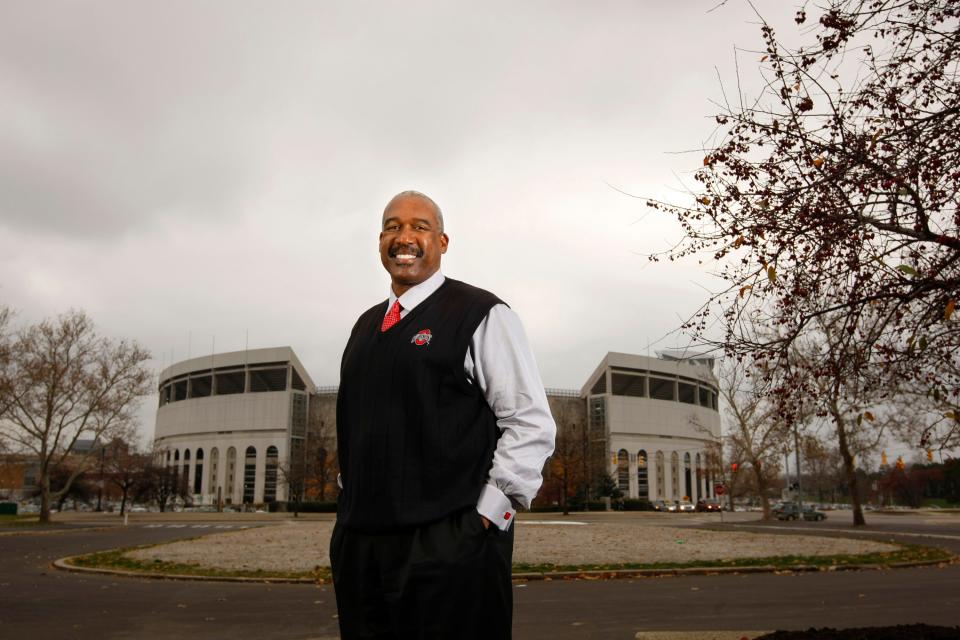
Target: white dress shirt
column 501, row 363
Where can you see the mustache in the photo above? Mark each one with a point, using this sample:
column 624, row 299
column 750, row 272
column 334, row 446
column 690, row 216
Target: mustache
column 410, row 249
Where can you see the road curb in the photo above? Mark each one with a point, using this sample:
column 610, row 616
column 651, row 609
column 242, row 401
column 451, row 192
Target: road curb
column 615, row 574
column 48, row 532
column 64, row 564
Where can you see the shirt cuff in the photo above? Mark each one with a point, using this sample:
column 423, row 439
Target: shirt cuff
column 495, row 506
column 339, row 481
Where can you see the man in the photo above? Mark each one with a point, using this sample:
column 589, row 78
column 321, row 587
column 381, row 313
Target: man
column 443, row 428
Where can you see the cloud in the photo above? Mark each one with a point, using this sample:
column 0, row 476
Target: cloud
column 192, row 173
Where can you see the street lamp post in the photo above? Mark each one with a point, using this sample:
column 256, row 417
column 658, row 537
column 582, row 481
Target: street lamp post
column 796, row 444
column 100, row 482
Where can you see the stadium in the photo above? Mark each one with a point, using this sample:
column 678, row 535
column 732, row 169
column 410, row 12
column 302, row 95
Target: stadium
column 237, row 425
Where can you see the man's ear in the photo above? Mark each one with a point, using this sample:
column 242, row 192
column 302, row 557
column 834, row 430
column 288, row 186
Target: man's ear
column 444, row 241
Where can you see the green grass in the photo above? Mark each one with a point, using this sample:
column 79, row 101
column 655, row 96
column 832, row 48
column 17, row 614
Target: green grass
column 939, row 502
column 21, row 520
column 906, row 553
column 117, row 559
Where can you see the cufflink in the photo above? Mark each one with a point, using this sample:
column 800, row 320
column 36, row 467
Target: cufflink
column 506, row 515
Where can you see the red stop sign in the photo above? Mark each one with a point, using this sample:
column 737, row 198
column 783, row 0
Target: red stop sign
column 719, row 489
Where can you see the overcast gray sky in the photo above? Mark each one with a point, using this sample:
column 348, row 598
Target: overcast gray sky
column 191, row 171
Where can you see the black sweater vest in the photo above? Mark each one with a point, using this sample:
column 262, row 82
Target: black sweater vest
column 415, row 437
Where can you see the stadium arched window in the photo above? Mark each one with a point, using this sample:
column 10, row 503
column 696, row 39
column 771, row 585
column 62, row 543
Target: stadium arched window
column 623, row 471
column 212, row 478
column 643, row 483
column 675, row 475
column 249, row 475
column 198, row 472
column 660, row 475
column 230, row 488
column 270, row 475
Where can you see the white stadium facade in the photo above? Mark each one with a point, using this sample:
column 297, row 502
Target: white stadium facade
column 658, row 418
column 231, row 422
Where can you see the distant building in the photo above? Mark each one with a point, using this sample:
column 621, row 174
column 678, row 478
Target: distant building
column 18, row 476
column 232, row 423
column 657, row 419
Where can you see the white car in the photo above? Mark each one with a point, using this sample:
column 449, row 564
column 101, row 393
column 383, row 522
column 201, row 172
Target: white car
column 686, row 505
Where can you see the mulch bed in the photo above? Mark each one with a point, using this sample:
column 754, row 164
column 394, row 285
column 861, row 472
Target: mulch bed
column 898, row 632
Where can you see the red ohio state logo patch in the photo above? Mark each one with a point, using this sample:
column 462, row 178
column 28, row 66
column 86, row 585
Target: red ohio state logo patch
column 423, row 337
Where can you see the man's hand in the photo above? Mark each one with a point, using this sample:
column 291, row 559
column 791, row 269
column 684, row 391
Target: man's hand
column 486, row 523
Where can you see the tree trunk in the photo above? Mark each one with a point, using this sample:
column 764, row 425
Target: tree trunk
column 762, row 490
column 123, row 501
column 848, row 468
column 44, row 500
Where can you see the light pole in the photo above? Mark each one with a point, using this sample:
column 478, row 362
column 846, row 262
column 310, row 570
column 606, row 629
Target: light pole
column 100, row 482
column 796, row 444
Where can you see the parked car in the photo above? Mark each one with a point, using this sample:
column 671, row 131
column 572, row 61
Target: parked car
column 708, row 504
column 791, row 511
column 809, row 513
column 668, row 506
column 685, row 506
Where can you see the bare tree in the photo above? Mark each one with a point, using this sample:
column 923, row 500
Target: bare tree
column 566, row 464
column 833, row 196
column 161, row 484
column 822, row 467
column 755, row 431
column 5, row 353
column 312, row 469
column 566, row 472
column 82, row 488
column 124, row 467
column 842, row 383
column 64, row 384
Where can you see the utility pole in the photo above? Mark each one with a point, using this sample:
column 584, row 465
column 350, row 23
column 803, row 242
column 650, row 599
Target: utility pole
column 100, row 481
column 796, row 444
column 585, row 457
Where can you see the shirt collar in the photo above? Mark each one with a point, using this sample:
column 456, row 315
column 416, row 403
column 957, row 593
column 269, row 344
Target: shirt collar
column 417, row 293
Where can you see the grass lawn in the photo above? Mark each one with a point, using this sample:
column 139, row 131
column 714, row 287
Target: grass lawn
column 905, row 553
column 117, row 559
column 22, row 520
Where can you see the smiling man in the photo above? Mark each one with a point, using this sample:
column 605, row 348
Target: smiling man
column 443, row 428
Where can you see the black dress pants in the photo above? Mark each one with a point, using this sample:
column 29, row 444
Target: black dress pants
column 446, row 579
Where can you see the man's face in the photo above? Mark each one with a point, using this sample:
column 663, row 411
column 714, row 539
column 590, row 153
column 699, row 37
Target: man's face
column 411, row 242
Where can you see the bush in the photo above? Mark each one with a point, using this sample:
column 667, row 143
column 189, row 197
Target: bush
column 306, row 507
column 8, row 508
column 637, row 505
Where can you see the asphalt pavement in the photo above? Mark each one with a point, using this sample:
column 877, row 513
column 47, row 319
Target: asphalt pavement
column 37, row 601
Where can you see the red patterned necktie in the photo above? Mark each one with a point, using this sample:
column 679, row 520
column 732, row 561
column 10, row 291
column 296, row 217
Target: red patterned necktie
column 392, row 317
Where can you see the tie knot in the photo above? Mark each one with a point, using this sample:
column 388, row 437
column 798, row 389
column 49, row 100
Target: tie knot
column 392, row 317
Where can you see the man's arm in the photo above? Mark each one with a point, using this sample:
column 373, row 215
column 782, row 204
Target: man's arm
column 501, row 363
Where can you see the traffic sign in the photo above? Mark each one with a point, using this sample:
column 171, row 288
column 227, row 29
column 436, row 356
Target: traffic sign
column 720, row 489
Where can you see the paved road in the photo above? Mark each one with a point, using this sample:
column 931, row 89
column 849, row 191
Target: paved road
column 39, row 602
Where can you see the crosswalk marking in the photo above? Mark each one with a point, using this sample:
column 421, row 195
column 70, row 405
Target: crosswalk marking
column 156, row 525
